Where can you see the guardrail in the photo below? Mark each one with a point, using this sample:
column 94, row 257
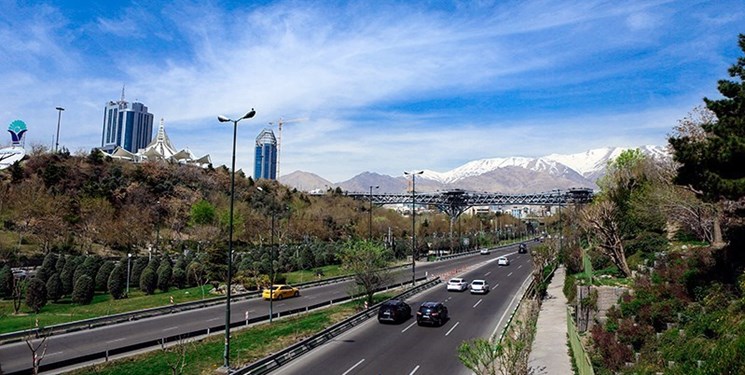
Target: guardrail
column 106, row 354
column 79, row 325
column 271, row 363
column 581, row 358
column 472, row 252
column 528, row 291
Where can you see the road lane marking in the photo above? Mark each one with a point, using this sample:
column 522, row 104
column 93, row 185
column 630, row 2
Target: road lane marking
column 414, row 370
column 121, row 339
column 451, row 329
column 169, row 328
column 55, row 353
column 410, row 325
column 477, row 303
column 209, row 320
column 509, row 274
column 520, row 266
column 355, row 365
column 487, row 274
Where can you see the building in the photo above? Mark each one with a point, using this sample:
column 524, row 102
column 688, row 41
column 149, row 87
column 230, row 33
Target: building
column 161, row 149
column 127, row 125
column 265, row 163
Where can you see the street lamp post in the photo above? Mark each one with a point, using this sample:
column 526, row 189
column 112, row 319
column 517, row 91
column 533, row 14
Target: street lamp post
column 59, row 117
column 226, row 354
column 129, row 257
column 413, row 224
column 369, row 222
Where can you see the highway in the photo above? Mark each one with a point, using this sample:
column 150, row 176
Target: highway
column 374, row 348
column 17, row 357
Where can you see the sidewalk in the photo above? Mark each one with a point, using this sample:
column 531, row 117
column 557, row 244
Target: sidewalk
column 550, row 352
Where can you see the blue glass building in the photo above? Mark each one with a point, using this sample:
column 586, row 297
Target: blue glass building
column 265, row 164
column 127, row 125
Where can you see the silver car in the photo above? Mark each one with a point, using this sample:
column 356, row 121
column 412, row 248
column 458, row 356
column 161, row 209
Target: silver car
column 479, row 286
column 458, row 284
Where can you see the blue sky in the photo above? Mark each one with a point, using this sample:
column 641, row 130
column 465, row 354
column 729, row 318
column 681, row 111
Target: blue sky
column 381, row 86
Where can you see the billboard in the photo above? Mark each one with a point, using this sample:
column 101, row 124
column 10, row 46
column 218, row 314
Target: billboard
column 15, row 152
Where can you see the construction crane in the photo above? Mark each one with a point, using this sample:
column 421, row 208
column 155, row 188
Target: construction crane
column 281, row 122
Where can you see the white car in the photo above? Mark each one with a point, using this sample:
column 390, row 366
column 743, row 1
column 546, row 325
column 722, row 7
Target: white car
column 485, row 252
column 503, row 261
column 458, row 284
column 479, row 286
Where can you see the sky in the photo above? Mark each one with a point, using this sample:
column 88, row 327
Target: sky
column 379, row 86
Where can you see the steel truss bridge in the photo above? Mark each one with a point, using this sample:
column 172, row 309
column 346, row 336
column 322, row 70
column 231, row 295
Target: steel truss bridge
column 455, row 202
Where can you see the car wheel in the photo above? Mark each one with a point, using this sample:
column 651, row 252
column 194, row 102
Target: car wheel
column 279, row 296
column 297, row 294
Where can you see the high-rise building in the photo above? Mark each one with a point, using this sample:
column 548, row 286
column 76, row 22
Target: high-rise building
column 265, row 164
column 127, row 125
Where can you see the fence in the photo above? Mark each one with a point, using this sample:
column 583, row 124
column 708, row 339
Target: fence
column 581, row 358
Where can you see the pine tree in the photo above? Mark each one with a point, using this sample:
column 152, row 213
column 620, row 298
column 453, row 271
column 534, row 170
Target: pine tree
column 6, row 282
column 117, row 281
column 165, row 272
column 138, row 265
column 102, row 276
column 179, row 277
column 36, row 294
column 82, row 293
column 148, row 281
column 54, row 287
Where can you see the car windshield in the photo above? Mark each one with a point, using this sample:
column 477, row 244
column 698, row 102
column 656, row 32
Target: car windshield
column 456, row 281
column 478, row 282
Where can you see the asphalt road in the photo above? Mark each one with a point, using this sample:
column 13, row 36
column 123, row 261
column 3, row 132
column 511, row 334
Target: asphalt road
column 374, row 348
column 17, row 356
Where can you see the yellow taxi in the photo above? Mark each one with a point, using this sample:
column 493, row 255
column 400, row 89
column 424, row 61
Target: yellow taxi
column 280, row 291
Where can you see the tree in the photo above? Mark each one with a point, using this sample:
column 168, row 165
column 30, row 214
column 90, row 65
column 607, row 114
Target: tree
column 148, row 281
column 6, row 282
column 179, row 277
column 19, row 288
column 117, row 281
column 102, row 276
column 54, row 287
column 197, row 273
column 82, row 293
column 599, row 218
column 36, row 294
column 138, row 265
column 165, row 272
column 367, row 261
column 711, row 163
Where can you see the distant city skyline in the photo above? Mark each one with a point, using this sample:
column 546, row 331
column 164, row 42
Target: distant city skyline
column 383, row 87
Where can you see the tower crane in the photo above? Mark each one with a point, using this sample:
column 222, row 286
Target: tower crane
column 281, row 122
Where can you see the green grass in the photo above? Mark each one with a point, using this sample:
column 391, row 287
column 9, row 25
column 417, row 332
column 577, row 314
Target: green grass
column 65, row 311
column 304, row 276
column 246, row 346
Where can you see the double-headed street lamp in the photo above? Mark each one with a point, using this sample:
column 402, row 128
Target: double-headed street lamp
column 413, row 224
column 371, row 208
column 226, row 354
column 59, row 117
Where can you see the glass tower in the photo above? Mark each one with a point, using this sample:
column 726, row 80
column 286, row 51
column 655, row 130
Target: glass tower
column 265, row 165
column 128, row 125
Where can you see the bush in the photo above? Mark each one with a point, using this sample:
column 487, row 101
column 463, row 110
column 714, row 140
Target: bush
column 165, row 273
column 138, row 265
column 83, row 291
column 117, row 282
column 570, row 288
column 148, row 281
column 36, row 294
column 6, row 282
column 179, row 277
column 54, row 287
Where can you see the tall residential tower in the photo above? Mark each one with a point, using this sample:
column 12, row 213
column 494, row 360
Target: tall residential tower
column 265, row 165
column 128, row 125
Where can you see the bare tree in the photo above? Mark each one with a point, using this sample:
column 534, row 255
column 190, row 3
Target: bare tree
column 175, row 355
column 19, row 287
column 599, row 221
column 34, row 348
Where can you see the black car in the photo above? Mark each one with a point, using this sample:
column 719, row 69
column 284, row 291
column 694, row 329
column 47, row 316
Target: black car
column 434, row 313
column 522, row 249
column 394, row 311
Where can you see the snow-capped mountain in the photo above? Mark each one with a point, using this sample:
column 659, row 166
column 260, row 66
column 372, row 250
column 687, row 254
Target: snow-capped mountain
column 507, row 175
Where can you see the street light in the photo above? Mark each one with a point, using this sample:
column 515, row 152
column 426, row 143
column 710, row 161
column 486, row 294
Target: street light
column 371, row 208
column 59, row 117
column 129, row 257
column 413, row 224
column 226, row 354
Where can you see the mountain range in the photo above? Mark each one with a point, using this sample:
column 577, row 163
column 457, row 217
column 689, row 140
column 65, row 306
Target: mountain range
column 512, row 175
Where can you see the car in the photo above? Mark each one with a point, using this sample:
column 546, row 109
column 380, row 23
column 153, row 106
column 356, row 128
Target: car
column 522, row 249
column 479, row 286
column 433, row 313
column 485, row 252
column 394, row 311
column 503, row 261
column 458, row 284
column 280, row 291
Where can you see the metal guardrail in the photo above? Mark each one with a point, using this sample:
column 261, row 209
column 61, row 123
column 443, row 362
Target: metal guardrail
column 106, row 354
column 79, row 325
column 528, row 291
column 581, row 358
column 272, row 362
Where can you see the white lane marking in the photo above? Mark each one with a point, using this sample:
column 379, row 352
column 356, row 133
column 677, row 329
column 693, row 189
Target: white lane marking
column 209, row 320
column 55, row 353
column 477, row 303
column 121, row 339
column 170, row 328
column 352, row 368
column 487, row 274
column 496, row 285
column 509, row 274
column 520, row 266
column 414, row 370
column 410, row 325
column 451, row 329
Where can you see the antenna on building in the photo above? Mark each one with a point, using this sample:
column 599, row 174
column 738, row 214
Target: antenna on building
column 122, row 92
